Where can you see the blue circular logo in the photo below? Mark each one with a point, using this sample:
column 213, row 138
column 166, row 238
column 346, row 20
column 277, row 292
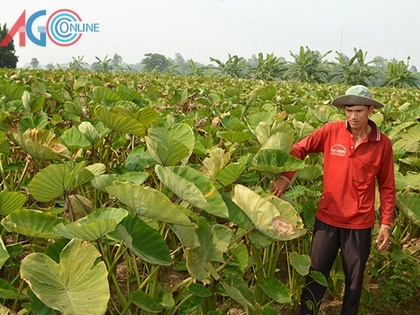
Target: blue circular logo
column 63, row 27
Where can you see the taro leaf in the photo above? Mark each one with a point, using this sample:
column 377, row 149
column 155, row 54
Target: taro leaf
column 276, row 161
column 52, row 181
column 319, row 277
column 230, row 173
column 310, row 172
column 303, row 129
column 89, row 132
column 276, row 290
column 12, row 91
column 37, row 306
column 127, row 94
column 4, row 254
column 146, row 302
column 300, row 263
column 104, row 95
column 409, row 204
column 8, row 291
column 74, row 139
column 199, row 258
column 134, row 177
column 32, row 223
column 96, row 169
column 236, row 294
column 234, row 136
column 39, row 122
column 200, row 290
column 102, row 181
column 4, row 144
column 193, row 187
column 169, row 145
column 10, row 201
column 149, row 203
column 275, row 218
column 76, row 285
column 144, row 241
column 326, row 113
column 217, row 159
column 93, row 226
column 41, row 144
column 138, row 159
column 279, row 141
column 119, row 122
column 185, row 234
column 409, row 139
column 413, row 180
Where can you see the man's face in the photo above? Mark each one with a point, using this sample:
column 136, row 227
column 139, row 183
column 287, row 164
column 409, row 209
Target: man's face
column 358, row 115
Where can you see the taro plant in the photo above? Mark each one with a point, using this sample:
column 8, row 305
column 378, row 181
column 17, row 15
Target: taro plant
column 115, row 183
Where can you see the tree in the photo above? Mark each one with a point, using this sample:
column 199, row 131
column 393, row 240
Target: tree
column 355, row 70
column 102, row 65
column 309, row 66
column 117, row 61
column 155, row 62
column 34, row 63
column 8, row 59
column 268, row 68
column 234, row 67
column 78, row 63
column 400, row 76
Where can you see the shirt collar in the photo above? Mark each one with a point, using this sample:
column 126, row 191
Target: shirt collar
column 374, row 135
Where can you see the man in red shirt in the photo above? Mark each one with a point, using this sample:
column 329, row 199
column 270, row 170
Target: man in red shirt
column 356, row 155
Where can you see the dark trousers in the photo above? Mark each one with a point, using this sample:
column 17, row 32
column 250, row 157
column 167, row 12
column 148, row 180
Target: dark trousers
column 355, row 250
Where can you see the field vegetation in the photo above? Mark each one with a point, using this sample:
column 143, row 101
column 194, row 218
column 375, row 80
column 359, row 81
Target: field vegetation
column 148, row 193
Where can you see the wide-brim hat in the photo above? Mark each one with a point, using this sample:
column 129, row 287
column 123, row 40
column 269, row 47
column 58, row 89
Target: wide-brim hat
column 356, row 95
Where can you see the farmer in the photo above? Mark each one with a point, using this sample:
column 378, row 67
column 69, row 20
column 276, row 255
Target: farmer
column 356, row 154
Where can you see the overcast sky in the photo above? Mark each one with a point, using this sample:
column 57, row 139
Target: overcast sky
column 200, row 29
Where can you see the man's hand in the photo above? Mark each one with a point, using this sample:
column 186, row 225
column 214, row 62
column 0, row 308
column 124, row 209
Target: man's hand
column 382, row 240
column 279, row 186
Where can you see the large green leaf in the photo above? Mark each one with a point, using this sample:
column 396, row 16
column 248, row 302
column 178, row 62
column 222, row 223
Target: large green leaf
column 93, row 226
column 300, row 262
column 409, row 204
column 409, row 139
column 144, row 241
column 213, row 243
column 146, row 302
column 32, row 223
column 10, row 201
column 272, row 216
column 119, row 122
column 276, row 161
column 193, row 187
column 278, row 141
column 148, row 202
column 276, row 290
column 75, row 285
column 235, row 136
column 104, row 95
column 4, row 254
column 169, row 145
column 52, row 181
column 74, row 139
column 41, row 144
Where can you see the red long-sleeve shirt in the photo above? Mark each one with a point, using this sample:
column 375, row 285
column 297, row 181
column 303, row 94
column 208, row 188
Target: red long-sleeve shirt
column 348, row 196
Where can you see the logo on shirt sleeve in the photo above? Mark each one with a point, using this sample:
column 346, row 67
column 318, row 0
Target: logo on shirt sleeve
column 338, row 150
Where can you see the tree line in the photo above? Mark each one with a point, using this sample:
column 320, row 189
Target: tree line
column 307, row 65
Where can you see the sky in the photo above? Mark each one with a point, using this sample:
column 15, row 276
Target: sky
column 201, row 29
